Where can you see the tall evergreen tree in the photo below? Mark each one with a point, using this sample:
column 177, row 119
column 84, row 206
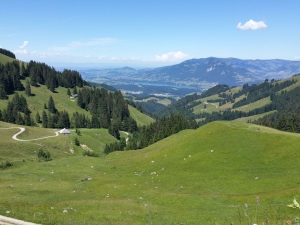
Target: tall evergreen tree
column 51, row 105
column 44, row 119
column 74, row 90
column 27, row 88
column 37, row 117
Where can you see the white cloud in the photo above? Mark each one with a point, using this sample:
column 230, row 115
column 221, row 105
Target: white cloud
column 252, row 25
column 22, row 50
column 101, row 57
column 24, row 45
column 297, row 57
column 171, row 56
column 114, row 58
column 87, row 56
column 91, row 42
column 0, row 46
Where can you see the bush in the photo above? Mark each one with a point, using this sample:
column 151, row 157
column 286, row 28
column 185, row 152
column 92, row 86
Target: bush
column 90, row 153
column 76, row 142
column 6, row 164
column 43, row 155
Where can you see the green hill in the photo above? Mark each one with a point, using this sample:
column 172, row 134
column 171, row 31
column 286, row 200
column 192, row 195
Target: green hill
column 202, row 176
column 4, row 59
column 139, row 117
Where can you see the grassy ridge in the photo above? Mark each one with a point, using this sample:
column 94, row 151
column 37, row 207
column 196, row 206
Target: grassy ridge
column 139, row 117
column 177, row 180
column 5, row 59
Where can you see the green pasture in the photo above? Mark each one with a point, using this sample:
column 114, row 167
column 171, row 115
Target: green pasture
column 164, row 101
column 203, row 176
column 140, row 118
column 210, row 107
column 258, row 104
column 5, row 59
column 254, row 117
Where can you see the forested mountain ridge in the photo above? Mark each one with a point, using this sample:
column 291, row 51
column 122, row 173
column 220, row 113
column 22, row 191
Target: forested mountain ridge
column 200, row 73
column 278, row 98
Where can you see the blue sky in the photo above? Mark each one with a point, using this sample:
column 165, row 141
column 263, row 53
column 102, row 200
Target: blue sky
column 148, row 33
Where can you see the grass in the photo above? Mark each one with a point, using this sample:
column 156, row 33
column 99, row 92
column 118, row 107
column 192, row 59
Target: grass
column 210, row 107
column 139, row 117
column 254, row 117
column 258, row 104
column 5, row 59
column 178, row 180
column 41, row 96
column 164, row 101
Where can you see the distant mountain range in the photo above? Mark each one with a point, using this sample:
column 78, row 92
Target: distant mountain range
column 199, row 74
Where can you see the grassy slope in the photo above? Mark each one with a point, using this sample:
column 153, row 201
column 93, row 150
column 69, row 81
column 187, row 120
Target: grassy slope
column 260, row 103
column 5, row 59
column 41, row 95
column 192, row 185
column 140, row 118
column 164, row 101
column 254, row 117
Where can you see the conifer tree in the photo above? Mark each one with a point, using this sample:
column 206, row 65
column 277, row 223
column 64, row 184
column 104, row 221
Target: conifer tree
column 37, row 117
column 45, row 119
column 27, row 88
column 51, row 105
column 74, row 90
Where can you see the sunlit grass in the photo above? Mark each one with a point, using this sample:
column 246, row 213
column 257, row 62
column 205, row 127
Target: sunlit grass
column 139, row 117
column 177, row 180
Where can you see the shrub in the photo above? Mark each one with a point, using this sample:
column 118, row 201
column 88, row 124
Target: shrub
column 90, row 153
column 43, row 155
column 76, row 142
column 6, row 164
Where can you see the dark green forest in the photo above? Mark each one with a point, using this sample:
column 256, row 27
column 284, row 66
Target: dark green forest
column 156, row 131
column 7, row 53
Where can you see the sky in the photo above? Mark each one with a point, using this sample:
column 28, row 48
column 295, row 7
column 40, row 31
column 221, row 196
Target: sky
column 148, row 33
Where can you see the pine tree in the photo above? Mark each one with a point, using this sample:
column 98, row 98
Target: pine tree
column 69, row 92
column 45, row 119
column 3, row 94
column 51, row 105
column 74, row 90
column 27, row 88
column 37, row 117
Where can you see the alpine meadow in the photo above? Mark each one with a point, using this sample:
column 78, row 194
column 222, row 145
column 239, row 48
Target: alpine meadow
column 95, row 131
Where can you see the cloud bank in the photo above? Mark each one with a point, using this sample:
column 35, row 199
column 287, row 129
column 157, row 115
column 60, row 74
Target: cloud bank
column 252, row 25
column 171, row 56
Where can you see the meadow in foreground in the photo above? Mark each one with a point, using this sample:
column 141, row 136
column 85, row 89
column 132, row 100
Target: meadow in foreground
column 221, row 173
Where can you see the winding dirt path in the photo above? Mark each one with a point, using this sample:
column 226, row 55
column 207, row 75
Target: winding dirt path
column 127, row 135
column 22, row 130
column 10, row 221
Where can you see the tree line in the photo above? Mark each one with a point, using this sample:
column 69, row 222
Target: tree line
column 10, row 79
column 156, row 131
column 40, row 73
column 7, row 53
column 108, row 110
column 287, row 115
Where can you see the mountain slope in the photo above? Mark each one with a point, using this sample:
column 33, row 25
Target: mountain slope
column 202, row 176
column 4, row 59
column 200, row 73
